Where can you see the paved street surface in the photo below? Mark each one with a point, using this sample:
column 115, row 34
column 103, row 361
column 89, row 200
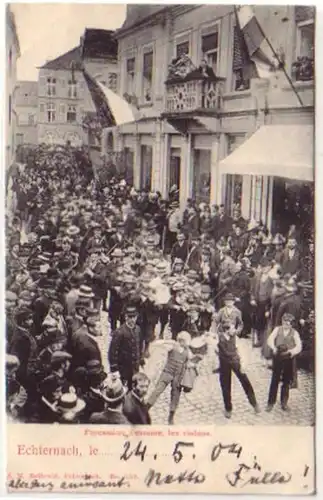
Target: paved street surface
column 204, row 404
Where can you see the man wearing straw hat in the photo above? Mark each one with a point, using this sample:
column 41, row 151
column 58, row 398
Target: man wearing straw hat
column 113, row 395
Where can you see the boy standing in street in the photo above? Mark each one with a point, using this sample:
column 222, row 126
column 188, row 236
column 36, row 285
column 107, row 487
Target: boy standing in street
column 229, row 326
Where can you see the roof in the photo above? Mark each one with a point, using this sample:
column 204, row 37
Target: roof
column 136, row 14
column 98, row 43
column 64, row 61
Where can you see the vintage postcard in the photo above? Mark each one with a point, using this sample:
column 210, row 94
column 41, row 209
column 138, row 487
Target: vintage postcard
column 160, row 256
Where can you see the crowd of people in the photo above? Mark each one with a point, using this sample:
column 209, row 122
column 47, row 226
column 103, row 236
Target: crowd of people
column 77, row 249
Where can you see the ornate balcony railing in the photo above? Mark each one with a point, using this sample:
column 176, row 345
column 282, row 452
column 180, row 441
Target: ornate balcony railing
column 191, row 96
column 191, row 89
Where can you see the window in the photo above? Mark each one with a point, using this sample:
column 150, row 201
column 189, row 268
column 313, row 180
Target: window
column 71, row 114
column 51, row 112
column 112, row 81
column 130, row 70
column 72, row 88
column 51, row 86
column 202, row 175
column 147, row 75
column 146, row 166
column 303, row 67
column 9, row 110
column 182, row 48
column 31, row 119
column 210, row 49
column 305, row 39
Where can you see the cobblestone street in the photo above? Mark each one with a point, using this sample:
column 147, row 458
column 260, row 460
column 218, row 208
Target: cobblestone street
column 204, row 404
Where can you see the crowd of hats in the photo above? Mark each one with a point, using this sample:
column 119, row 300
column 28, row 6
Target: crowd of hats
column 59, row 210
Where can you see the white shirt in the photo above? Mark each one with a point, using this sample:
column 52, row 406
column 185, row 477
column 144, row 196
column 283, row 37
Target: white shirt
column 272, row 337
column 173, row 221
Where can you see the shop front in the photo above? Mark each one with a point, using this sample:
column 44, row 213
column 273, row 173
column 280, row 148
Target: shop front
column 272, row 174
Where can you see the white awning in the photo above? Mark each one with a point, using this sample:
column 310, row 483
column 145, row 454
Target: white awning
column 121, row 110
column 275, row 150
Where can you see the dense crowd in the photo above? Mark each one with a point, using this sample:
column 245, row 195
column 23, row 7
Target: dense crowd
column 76, row 248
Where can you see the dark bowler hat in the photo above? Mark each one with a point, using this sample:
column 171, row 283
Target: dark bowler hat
column 92, row 313
column 131, row 311
column 60, row 356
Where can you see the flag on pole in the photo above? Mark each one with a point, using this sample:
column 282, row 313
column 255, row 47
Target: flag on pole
column 111, row 109
column 255, row 42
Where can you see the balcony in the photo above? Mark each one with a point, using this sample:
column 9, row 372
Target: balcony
column 192, row 90
column 303, row 69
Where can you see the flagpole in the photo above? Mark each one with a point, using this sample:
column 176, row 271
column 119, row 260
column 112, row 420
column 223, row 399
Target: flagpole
column 282, row 65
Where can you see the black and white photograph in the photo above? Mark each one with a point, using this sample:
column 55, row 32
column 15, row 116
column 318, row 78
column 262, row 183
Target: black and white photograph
column 160, row 239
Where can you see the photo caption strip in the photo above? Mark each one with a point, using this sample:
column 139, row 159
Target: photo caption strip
column 243, row 460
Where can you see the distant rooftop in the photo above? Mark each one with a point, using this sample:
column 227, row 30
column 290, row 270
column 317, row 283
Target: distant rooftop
column 64, row 61
column 95, row 43
column 138, row 13
column 100, row 44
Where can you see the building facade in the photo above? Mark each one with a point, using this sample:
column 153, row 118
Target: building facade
column 12, row 54
column 190, row 124
column 26, row 112
column 63, row 96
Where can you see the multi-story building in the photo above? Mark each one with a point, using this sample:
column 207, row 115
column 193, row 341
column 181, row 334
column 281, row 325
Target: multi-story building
column 26, row 112
column 12, row 54
column 183, row 67
column 63, row 95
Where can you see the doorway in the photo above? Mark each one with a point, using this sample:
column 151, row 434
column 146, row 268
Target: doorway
column 146, row 167
column 293, row 204
column 174, row 178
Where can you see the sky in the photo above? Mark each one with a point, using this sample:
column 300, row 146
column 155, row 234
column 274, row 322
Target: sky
column 48, row 30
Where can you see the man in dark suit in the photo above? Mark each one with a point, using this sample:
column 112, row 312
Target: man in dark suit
column 124, row 352
column 291, row 261
column 134, row 407
column 180, row 249
column 84, row 346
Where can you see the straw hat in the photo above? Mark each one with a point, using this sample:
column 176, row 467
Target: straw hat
column 69, row 405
